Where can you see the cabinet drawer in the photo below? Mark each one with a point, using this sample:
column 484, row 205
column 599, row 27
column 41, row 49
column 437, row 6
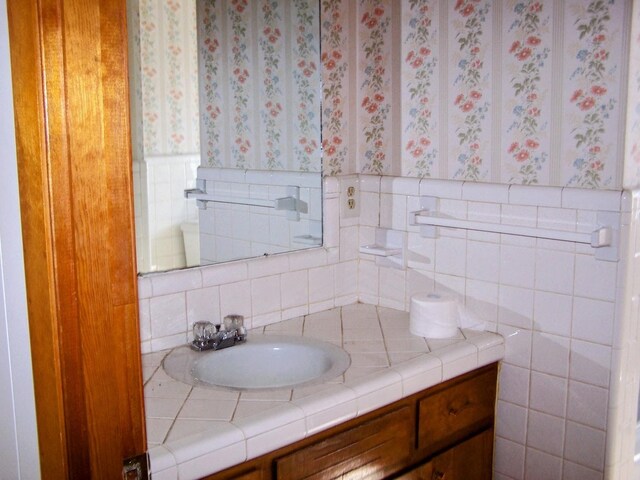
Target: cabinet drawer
column 369, row 451
column 448, row 415
column 470, row 460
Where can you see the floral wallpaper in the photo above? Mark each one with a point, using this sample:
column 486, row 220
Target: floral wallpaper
column 420, row 80
column 517, row 91
column 527, row 75
column 168, row 73
column 593, row 68
column 374, row 86
column 469, row 65
column 260, row 106
column 210, row 91
column 632, row 150
column 335, row 91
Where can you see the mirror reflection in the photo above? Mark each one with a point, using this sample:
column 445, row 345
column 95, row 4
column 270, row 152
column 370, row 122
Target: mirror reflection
column 226, row 129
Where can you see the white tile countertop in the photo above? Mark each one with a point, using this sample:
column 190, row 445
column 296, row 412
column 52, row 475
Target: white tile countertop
column 195, row 431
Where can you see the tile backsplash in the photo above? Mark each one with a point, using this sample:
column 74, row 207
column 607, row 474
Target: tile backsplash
column 560, row 309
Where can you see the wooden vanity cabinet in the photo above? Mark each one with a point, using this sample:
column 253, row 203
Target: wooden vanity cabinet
column 444, row 432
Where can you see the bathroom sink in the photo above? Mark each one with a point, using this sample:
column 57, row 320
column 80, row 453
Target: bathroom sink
column 262, row 362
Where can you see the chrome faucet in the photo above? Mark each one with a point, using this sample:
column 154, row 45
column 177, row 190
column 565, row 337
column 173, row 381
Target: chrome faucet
column 210, row 336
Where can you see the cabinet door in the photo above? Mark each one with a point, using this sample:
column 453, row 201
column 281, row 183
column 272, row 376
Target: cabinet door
column 454, row 413
column 371, row 450
column 469, row 460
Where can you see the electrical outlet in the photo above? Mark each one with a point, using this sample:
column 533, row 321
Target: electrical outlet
column 349, row 197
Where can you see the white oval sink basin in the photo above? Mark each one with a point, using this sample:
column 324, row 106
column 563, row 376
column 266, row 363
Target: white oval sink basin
column 262, row 362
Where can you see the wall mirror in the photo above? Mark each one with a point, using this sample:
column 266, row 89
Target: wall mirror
column 226, row 129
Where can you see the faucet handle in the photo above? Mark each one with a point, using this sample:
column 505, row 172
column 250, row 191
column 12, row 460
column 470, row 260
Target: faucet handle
column 233, row 321
column 203, row 331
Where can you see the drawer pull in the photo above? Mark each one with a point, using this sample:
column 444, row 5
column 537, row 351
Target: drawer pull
column 437, row 475
column 453, row 411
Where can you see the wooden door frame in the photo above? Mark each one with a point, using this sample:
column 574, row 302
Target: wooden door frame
column 69, row 74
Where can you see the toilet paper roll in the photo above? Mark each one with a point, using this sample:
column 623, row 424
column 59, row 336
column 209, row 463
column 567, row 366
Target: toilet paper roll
column 433, row 315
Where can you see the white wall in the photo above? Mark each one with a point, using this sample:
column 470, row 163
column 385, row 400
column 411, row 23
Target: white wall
column 19, row 458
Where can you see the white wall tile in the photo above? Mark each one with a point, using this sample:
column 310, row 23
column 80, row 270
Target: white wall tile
column 483, row 212
column 553, row 313
column 593, row 320
column 514, row 384
column 263, row 266
column 519, row 215
column 588, row 199
column 369, row 183
column 515, row 306
column 511, row 422
column 590, row 363
column 368, row 280
column 263, row 319
column 588, row 404
column 450, row 256
column 595, row 278
column 369, row 209
column 441, row 188
column 294, row 289
column 168, row 315
column 548, row 394
column 346, row 277
column 535, row 195
column 331, row 224
column 203, row 304
column 321, row 284
column 585, row 445
column 550, row 354
column 485, row 192
column 170, row 341
column 400, row 185
column 235, row 298
column 554, row 271
column 144, row 287
column 223, row 274
column 509, row 458
column 174, row 282
column 546, row 433
column 481, row 300
column 517, row 266
column 517, row 345
column 392, row 287
column 307, row 259
column 420, row 252
column 418, row 281
column 349, row 243
column 483, row 261
column 542, row 466
column 573, row 471
column 265, row 295
column 145, row 319
column 454, row 208
column 393, row 211
column 557, row 218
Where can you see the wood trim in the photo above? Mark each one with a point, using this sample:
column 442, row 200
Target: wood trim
column 69, row 71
